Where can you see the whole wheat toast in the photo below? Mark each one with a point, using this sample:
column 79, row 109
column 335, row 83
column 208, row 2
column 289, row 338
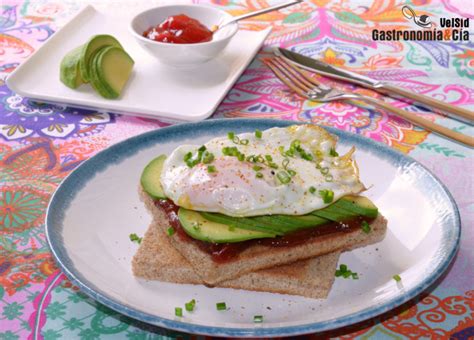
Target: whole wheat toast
column 257, row 257
column 157, row 259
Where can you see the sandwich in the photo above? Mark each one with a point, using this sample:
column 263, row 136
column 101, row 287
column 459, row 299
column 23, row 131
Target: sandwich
column 242, row 209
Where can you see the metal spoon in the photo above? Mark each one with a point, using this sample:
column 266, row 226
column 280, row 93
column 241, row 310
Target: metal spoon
column 215, row 28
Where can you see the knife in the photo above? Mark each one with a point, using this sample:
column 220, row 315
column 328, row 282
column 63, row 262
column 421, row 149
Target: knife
column 331, row 71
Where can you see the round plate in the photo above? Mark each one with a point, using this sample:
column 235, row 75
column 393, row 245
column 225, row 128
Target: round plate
column 97, row 206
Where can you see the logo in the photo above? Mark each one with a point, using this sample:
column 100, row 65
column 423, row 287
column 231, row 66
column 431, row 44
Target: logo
column 423, row 21
column 447, row 29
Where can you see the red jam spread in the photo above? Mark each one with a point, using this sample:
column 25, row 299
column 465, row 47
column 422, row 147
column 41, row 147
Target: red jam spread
column 179, row 29
column 226, row 252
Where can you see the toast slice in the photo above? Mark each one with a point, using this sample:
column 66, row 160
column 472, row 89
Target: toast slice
column 157, row 259
column 258, row 257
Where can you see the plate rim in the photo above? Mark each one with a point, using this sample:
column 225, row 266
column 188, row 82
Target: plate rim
column 55, row 244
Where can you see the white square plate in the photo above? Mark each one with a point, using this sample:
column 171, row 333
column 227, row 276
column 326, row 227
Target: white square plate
column 154, row 90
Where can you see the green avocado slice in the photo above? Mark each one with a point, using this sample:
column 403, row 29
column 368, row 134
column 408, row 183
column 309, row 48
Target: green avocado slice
column 150, row 178
column 198, row 227
column 69, row 72
column 110, row 69
column 90, row 48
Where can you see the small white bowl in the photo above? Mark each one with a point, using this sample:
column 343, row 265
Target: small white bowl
column 183, row 54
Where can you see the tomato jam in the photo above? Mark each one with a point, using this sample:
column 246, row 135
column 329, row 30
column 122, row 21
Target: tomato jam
column 179, row 29
column 226, row 252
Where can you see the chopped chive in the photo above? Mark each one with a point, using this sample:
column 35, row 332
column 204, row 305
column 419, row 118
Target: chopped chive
column 312, row 190
column 269, row 158
column 292, row 173
column 189, row 306
column 207, row 157
column 281, row 148
column 333, row 152
column 221, row 306
column 258, row 134
column 257, row 167
column 283, row 177
column 346, row 273
column 178, row 311
column 188, row 156
column 170, row 231
column 244, row 141
column 211, row 169
column 259, row 175
column 258, row 318
column 202, row 148
column 285, row 163
column 273, row 165
column 328, row 178
column 231, row 135
column 135, row 238
column 324, row 171
column 241, row 157
column 365, row 227
column 327, row 195
column 251, row 159
column 260, row 159
column 397, row 278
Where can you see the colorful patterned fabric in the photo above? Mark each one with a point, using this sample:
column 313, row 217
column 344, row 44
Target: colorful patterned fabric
column 40, row 144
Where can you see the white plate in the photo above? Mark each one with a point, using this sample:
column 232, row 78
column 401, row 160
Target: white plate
column 97, row 207
column 154, row 90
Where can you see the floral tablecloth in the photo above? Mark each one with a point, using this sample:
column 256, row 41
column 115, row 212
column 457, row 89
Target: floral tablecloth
column 40, row 144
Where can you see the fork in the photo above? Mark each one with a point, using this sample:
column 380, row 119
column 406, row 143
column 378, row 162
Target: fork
column 311, row 89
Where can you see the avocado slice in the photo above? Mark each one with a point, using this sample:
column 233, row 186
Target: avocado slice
column 69, row 72
column 240, row 222
column 333, row 214
column 110, row 69
column 358, row 205
column 90, row 48
column 150, row 178
column 198, row 227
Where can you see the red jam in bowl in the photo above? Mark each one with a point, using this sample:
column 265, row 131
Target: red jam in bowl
column 179, row 29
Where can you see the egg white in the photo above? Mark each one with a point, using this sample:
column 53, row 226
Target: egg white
column 234, row 188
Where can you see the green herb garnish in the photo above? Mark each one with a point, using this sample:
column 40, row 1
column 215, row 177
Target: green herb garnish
column 221, row 306
column 397, row 278
column 192, row 160
column 189, row 306
column 346, row 273
column 292, row 173
column 269, row 158
column 170, row 231
column 312, row 190
column 207, row 157
column 283, row 177
column 333, row 152
column 231, row 135
column 257, row 167
column 365, row 227
column 258, row 318
column 327, row 195
column 244, row 141
column 178, row 311
column 135, row 238
column 258, row 134
column 211, row 169
column 259, row 175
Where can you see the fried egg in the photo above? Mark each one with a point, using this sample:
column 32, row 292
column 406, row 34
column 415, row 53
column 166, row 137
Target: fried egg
column 277, row 171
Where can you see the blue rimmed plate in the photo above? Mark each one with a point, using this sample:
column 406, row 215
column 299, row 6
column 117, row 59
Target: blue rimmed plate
column 95, row 209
